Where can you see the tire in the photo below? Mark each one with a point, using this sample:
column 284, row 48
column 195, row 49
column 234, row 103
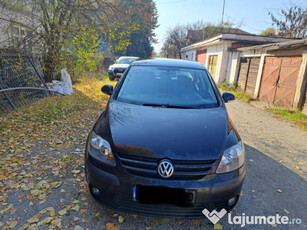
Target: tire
column 111, row 78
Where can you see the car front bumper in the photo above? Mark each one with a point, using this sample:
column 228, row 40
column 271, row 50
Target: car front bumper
column 116, row 73
column 117, row 191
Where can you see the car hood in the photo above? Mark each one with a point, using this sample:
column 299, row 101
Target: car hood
column 157, row 132
column 119, row 66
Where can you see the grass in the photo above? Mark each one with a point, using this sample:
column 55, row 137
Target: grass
column 231, row 87
column 299, row 118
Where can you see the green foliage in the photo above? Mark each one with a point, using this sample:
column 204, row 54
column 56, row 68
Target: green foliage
column 145, row 18
column 228, row 86
column 85, row 48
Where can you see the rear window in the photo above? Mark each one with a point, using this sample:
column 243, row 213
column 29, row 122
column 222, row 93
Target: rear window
column 168, row 86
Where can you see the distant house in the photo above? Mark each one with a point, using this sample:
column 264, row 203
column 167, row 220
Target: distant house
column 16, row 26
column 216, row 52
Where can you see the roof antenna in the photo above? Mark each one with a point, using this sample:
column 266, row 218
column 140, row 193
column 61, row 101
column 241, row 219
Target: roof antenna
column 223, row 13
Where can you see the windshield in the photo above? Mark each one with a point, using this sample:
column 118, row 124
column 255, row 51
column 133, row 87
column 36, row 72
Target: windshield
column 125, row 60
column 168, row 87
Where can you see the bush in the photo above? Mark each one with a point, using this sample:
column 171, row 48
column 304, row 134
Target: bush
column 228, row 86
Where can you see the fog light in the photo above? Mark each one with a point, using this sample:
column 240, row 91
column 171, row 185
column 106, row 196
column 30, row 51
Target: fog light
column 232, row 201
column 95, row 191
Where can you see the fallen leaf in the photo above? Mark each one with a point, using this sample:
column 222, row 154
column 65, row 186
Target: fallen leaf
column 34, row 219
column 47, row 220
column 76, row 208
column 12, row 223
column 78, row 228
column 62, row 212
column 52, row 212
column 111, row 226
column 42, row 196
column 121, row 219
column 218, row 226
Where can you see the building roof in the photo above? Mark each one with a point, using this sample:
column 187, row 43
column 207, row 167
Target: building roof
column 167, row 62
column 235, row 38
column 195, row 36
column 275, row 46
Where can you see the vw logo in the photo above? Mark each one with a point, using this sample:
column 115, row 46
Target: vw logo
column 165, row 168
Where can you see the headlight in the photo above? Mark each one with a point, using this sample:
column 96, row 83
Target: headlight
column 233, row 158
column 111, row 68
column 100, row 149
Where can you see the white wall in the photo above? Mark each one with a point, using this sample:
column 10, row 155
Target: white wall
column 222, row 53
column 189, row 55
column 233, row 67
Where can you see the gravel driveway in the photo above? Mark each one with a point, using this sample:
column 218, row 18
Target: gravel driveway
column 275, row 182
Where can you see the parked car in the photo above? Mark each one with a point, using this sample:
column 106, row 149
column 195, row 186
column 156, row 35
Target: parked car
column 119, row 67
column 165, row 145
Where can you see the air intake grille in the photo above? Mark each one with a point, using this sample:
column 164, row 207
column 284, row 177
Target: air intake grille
column 184, row 169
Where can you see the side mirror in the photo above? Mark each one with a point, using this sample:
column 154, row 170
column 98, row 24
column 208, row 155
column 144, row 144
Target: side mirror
column 107, row 89
column 228, row 96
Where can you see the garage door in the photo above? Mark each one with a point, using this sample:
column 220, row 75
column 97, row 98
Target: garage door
column 248, row 74
column 201, row 56
column 212, row 65
column 278, row 83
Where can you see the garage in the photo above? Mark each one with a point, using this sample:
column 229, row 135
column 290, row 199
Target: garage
column 248, row 71
column 201, row 56
column 278, row 82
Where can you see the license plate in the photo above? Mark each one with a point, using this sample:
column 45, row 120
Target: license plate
column 119, row 74
column 164, row 195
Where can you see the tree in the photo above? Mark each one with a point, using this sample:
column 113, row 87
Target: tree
column 270, row 32
column 144, row 14
column 58, row 22
column 291, row 23
column 184, row 35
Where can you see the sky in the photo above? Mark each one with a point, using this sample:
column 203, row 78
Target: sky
column 251, row 15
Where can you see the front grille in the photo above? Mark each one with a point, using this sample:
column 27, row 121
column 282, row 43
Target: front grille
column 119, row 70
column 183, row 169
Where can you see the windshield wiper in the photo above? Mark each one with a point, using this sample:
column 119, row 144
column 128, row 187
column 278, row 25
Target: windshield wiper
column 169, row 106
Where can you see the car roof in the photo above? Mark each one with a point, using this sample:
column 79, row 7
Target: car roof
column 167, row 62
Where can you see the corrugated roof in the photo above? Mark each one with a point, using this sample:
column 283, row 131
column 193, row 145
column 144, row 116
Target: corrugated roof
column 275, row 46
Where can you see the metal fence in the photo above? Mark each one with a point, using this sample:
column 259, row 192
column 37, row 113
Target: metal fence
column 21, row 82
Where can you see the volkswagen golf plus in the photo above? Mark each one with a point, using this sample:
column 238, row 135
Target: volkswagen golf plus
column 165, row 145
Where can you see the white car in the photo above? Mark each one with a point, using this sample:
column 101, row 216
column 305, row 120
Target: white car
column 119, row 67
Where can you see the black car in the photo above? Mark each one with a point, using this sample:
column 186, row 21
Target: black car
column 165, row 145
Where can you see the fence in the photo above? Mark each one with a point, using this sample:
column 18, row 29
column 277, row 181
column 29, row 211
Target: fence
column 21, row 82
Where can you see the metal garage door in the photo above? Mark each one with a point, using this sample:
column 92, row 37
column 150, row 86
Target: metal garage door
column 278, row 83
column 248, row 74
column 201, row 56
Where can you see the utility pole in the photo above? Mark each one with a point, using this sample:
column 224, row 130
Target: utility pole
column 223, row 13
